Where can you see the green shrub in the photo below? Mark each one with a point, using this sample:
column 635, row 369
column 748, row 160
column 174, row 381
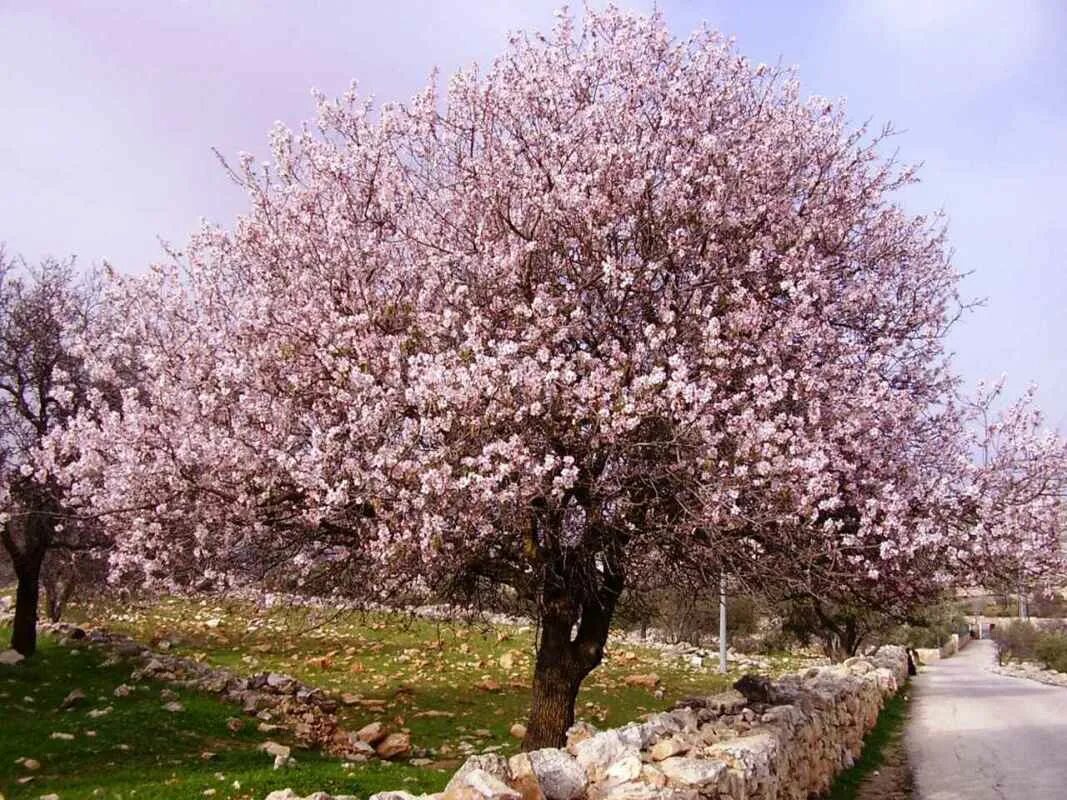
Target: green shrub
column 1051, row 650
column 932, row 626
column 776, row 641
column 1017, row 640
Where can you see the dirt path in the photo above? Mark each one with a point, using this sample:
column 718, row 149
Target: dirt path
column 976, row 735
column 893, row 780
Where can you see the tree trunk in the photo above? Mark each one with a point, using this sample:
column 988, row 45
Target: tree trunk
column 27, row 599
column 563, row 662
column 558, row 674
column 58, row 590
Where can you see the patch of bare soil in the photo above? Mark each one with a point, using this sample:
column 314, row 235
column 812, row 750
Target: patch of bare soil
column 893, row 779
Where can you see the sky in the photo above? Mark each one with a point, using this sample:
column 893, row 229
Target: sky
column 112, row 110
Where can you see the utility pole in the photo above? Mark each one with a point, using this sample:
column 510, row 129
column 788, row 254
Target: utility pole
column 722, row 623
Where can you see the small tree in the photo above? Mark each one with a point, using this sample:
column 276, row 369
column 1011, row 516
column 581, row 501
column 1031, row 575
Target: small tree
column 44, row 311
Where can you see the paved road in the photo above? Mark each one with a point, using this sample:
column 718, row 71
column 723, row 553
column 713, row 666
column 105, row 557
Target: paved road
column 976, row 735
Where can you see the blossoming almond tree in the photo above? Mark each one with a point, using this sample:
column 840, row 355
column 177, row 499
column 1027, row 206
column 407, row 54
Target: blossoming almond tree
column 621, row 310
column 44, row 311
column 1016, row 494
column 986, row 503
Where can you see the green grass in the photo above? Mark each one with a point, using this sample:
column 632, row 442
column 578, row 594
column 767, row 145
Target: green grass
column 140, row 750
column 888, row 730
column 419, row 669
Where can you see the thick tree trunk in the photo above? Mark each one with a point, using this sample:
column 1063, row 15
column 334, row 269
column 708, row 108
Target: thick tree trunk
column 558, row 674
column 27, row 599
column 563, row 662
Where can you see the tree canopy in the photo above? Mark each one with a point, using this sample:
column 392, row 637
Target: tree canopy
column 621, row 310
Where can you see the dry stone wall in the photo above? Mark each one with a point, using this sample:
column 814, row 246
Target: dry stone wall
column 952, row 645
column 773, row 740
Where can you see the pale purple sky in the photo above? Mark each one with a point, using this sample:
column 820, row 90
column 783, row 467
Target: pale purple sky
column 110, row 111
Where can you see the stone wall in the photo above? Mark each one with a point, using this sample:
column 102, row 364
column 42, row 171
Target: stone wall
column 953, row 645
column 773, row 740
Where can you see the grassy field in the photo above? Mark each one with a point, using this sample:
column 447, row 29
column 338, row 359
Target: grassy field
column 137, row 749
column 457, row 688
column 419, row 669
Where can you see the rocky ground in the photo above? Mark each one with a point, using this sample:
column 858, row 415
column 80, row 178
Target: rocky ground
column 1031, row 671
column 456, row 688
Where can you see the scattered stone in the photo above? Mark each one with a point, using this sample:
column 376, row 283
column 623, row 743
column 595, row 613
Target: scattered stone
column 281, row 683
column 66, row 737
column 122, row 690
column 281, row 753
column 372, row 733
column 275, row 749
column 32, row 764
column 234, row 725
column 72, row 699
column 11, row 657
column 359, row 749
column 649, row 681
column 394, row 745
column 173, row 707
column 518, row 731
